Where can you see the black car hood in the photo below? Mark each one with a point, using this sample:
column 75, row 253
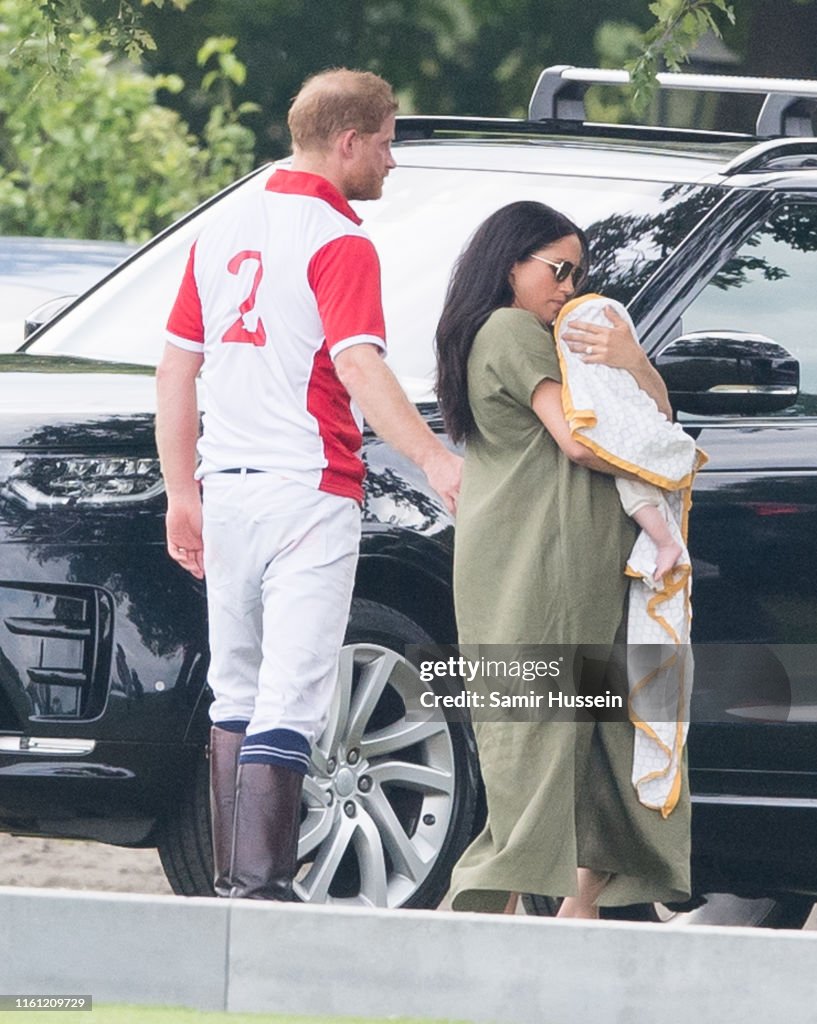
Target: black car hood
column 64, row 403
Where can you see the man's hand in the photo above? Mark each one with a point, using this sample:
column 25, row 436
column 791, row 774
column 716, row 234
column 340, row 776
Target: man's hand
column 177, row 428
column 395, row 419
column 183, row 526
column 444, row 472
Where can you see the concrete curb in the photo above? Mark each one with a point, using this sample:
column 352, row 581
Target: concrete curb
column 255, row 957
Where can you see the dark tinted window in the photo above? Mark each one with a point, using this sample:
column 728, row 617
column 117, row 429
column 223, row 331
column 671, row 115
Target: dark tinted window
column 420, row 226
column 628, row 247
column 428, row 214
column 770, row 287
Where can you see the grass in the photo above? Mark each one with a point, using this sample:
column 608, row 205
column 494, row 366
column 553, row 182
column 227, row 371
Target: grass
column 175, row 1015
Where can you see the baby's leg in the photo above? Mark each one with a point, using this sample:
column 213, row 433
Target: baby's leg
column 652, row 522
column 641, row 501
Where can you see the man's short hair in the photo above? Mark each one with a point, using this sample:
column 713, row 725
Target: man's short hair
column 335, row 101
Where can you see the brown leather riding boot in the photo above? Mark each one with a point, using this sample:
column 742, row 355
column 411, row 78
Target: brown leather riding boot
column 225, row 747
column 265, row 839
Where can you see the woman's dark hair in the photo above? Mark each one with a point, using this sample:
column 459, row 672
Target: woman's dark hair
column 480, row 283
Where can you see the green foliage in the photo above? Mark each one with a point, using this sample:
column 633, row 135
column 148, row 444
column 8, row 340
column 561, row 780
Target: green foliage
column 120, row 26
column 94, row 155
column 88, row 151
column 227, row 139
column 616, row 43
column 442, row 56
column 679, row 25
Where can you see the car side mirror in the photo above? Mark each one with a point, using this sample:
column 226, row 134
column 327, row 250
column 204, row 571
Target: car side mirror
column 44, row 312
column 728, row 373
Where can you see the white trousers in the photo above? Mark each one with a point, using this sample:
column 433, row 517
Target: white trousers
column 280, row 560
column 636, row 494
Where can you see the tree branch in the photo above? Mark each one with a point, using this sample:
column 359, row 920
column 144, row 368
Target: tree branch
column 679, row 25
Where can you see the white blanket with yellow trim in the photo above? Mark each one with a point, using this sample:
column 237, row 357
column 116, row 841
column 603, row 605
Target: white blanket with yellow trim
column 608, row 412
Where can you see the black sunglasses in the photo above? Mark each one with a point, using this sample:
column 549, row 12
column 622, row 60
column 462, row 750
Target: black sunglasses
column 564, row 269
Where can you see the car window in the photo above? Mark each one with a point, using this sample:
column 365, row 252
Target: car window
column 124, row 320
column 419, row 228
column 428, row 214
column 769, row 287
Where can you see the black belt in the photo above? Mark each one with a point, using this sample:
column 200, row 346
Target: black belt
column 240, row 469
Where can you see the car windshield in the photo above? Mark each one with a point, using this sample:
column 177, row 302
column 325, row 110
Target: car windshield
column 419, row 228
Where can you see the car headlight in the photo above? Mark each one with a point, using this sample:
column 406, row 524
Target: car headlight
column 47, row 480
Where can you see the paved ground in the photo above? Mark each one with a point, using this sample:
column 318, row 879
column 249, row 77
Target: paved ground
column 74, row 864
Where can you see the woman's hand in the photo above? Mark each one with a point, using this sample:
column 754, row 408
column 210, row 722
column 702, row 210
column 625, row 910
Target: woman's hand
column 616, row 346
column 612, row 346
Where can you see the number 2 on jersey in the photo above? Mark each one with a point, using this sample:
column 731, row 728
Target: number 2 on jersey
column 239, row 332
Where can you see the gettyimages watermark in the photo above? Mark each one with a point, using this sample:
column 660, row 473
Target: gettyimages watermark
column 616, row 682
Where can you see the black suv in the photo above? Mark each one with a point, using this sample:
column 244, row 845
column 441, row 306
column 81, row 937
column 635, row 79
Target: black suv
column 711, row 240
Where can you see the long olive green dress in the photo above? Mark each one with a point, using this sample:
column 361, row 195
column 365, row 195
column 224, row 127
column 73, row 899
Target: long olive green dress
column 540, row 549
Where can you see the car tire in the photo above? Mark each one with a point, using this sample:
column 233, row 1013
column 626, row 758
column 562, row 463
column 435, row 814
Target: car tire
column 390, row 803
column 785, row 911
column 183, row 840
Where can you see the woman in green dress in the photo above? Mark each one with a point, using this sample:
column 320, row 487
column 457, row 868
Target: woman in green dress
column 540, row 548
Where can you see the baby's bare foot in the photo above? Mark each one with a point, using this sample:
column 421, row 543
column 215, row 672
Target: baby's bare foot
column 666, row 557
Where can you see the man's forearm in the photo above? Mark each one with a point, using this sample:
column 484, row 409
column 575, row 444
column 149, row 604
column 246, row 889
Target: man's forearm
column 392, row 416
column 384, row 404
column 177, row 429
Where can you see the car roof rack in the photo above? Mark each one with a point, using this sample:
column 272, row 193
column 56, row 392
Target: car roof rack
column 416, row 127
column 786, row 110
column 768, row 155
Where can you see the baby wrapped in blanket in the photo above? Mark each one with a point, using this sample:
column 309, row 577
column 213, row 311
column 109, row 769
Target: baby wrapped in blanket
column 608, row 412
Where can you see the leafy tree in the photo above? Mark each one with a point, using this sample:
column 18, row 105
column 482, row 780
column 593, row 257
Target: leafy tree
column 99, row 156
column 120, row 25
column 95, row 156
column 679, row 26
column 443, row 56
column 282, row 41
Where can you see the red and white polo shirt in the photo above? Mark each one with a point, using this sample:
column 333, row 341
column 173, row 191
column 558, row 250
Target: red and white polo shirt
column 270, row 296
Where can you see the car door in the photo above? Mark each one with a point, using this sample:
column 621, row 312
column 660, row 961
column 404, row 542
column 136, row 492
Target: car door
column 753, row 527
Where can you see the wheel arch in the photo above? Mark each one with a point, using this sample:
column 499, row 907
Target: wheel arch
column 415, row 582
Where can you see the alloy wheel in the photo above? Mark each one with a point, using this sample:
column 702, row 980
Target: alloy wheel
column 379, row 802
